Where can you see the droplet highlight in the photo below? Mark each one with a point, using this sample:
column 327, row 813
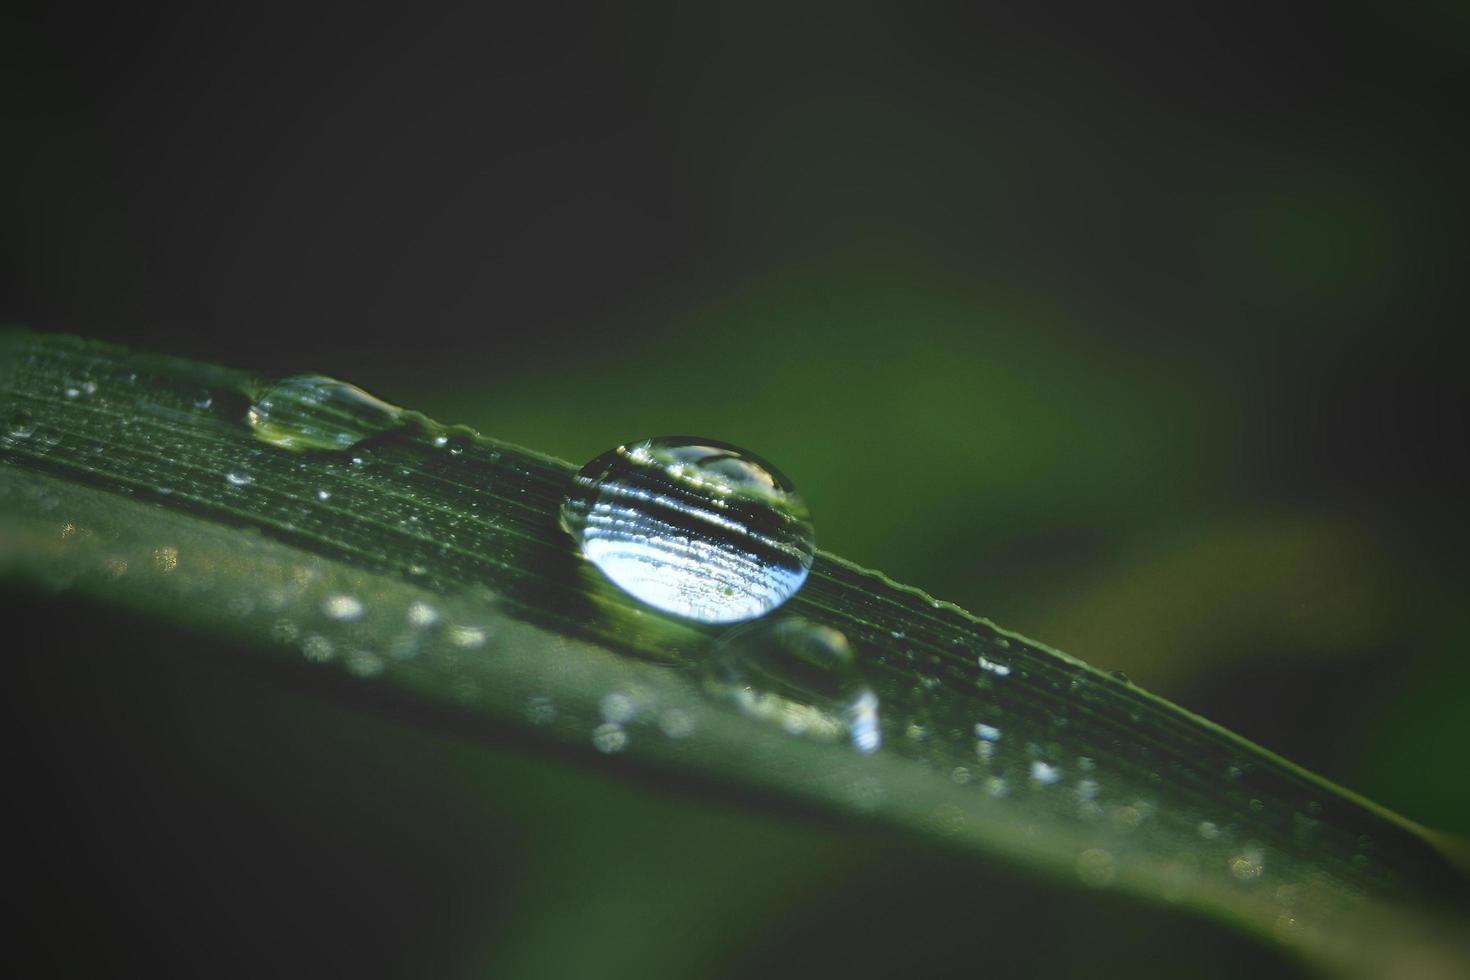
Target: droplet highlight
column 693, row 527
column 312, row 411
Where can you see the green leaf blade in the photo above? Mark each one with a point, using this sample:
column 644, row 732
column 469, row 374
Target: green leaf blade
column 442, row 577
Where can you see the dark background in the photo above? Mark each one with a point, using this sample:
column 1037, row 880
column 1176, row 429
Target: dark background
column 1132, row 330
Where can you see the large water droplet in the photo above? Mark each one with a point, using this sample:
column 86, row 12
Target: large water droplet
column 311, row 411
column 693, row 527
column 800, row 676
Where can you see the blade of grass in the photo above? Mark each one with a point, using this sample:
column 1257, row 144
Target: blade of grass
column 426, row 563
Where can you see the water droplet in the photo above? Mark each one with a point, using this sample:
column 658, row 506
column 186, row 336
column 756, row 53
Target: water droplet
column 311, row 411
column 676, row 724
column 364, row 663
column 343, row 607
column 166, row 558
column 317, row 648
column 1248, row 865
column 693, row 527
column 988, row 733
column 617, row 707
column 421, row 614
column 609, row 738
column 22, row 425
column 801, row 676
column 324, row 495
column 468, row 637
column 239, row 479
column 994, row 667
column 1044, row 773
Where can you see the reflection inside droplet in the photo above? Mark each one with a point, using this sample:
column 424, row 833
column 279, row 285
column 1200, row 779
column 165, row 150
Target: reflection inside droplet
column 692, row 527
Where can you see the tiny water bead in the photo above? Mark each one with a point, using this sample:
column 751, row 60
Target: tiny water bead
column 312, row 411
column 800, row 676
column 693, row 527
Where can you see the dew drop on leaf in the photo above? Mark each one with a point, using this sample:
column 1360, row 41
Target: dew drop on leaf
column 312, row 411
column 693, row 527
column 799, row 676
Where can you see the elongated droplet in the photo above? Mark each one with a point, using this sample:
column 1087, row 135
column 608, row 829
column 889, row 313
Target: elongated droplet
column 693, row 527
column 312, row 411
column 799, row 676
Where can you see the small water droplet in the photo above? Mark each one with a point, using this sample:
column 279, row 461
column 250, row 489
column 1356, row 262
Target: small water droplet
column 312, row 411
column 692, row 527
column 801, row 676
column 468, row 637
column 421, row 614
column 324, row 495
column 618, row 707
column 1044, row 773
column 994, row 667
column 609, row 738
column 203, row 399
column 237, row 478
column 317, row 648
column 1248, row 865
column 22, row 425
column 676, row 724
column 364, row 663
column 343, row 607
column 988, row 733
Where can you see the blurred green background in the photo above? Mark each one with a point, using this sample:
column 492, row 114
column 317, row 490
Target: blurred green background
column 1131, row 330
